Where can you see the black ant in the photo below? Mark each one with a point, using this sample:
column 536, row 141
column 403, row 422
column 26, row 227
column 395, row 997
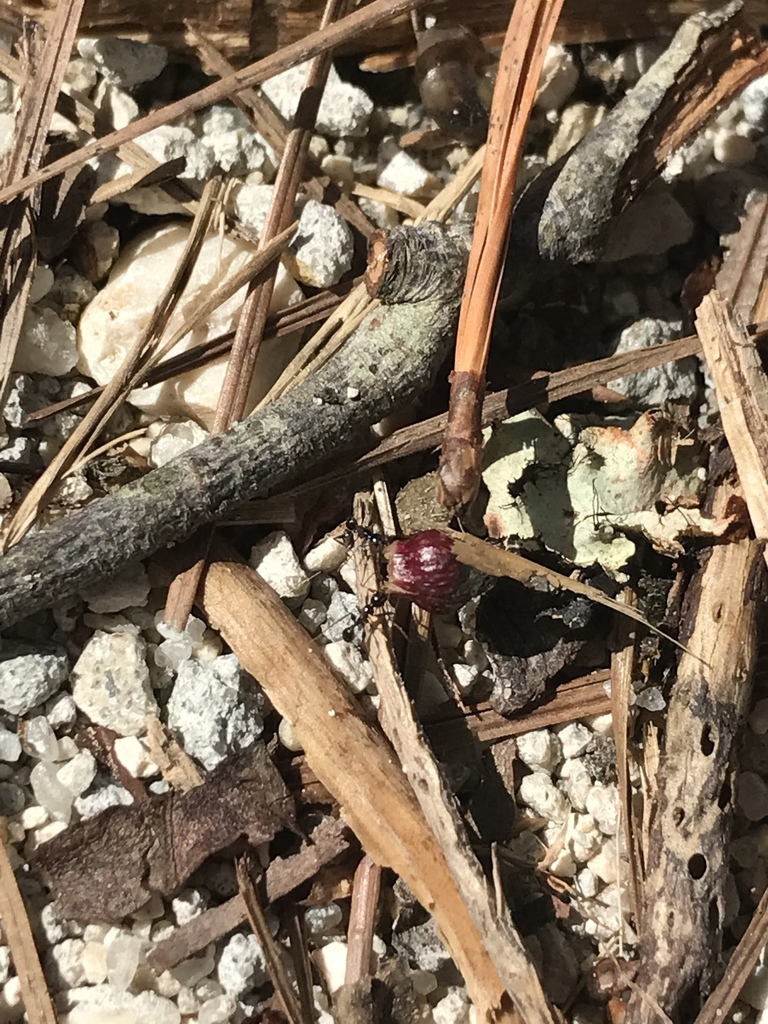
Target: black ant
column 354, row 531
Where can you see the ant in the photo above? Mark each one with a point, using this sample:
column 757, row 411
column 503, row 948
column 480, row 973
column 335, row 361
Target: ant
column 354, row 531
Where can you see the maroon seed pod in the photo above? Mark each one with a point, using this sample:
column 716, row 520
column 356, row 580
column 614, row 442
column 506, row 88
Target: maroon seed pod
column 424, row 569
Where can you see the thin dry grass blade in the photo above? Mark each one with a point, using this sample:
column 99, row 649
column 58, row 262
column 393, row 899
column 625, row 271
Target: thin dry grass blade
column 530, row 31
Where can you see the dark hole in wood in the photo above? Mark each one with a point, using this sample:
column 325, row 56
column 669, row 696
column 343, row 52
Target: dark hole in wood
column 707, row 743
column 724, row 799
column 697, row 866
column 678, row 816
column 714, row 917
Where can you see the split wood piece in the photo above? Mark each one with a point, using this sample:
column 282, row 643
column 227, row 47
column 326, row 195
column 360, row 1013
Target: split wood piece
column 18, row 935
column 494, row 930
column 352, row 759
column 230, row 23
column 329, row 841
column 687, row 859
column 313, row 45
column 46, row 66
column 530, row 30
column 742, row 395
column 741, row 278
column 390, row 359
column 568, row 212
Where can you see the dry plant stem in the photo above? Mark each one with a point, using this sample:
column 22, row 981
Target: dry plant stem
column 494, row 929
column 529, row 34
column 313, row 45
column 18, row 250
column 376, row 800
column 128, row 375
column 18, row 931
column 687, row 862
column 743, row 959
column 272, row 950
column 568, row 212
column 392, row 357
column 742, row 395
column 362, row 920
column 622, row 666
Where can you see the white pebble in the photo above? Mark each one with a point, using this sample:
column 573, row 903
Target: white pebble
column 105, row 1004
column 288, row 737
column 344, row 109
column 77, row 775
column 191, row 971
column 95, row 963
column 61, row 711
column 453, row 1008
column 578, row 783
column 215, row 707
column 133, row 755
column 350, row 664
column 465, row 677
column 574, row 739
column 174, row 439
column 108, row 796
column 321, row 251
column 47, row 344
column 326, row 556
column 275, row 560
column 401, row 173
column 605, row 864
column 65, row 963
column 586, row 883
column 216, row 1010
column 544, row 799
column 50, row 792
column 559, row 76
column 188, row 904
column 603, row 805
column 129, row 587
column 38, row 739
column 331, row 962
column 10, row 745
column 111, row 682
column 27, row 679
column 241, row 965
column 122, row 61
column 539, row 749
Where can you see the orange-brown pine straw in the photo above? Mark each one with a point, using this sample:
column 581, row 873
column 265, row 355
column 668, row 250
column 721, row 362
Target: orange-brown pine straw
column 530, row 31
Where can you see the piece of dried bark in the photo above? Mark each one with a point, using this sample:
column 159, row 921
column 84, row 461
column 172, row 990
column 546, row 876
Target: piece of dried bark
column 569, row 212
column 109, row 865
column 687, row 859
column 331, row 839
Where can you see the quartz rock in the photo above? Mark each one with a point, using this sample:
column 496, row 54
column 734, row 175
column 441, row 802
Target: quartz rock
column 47, row 344
column 189, row 972
column 122, row 61
column 77, row 775
column 540, row 749
column 661, row 384
column 124, row 953
column 559, row 77
column 64, row 964
column 216, row 1010
column 400, row 172
column 188, row 904
column 331, row 962
column 120, row 311
column 543, row 798
column 110, row 683
column 55, row 797
column 10, row 745
column 38, row 739
column 251, row 204
column 172, row 142
column 134, row 757
column 173, row 439
column 94, row 963
column 29, row 676
column 603, row 805
column 242, row 966
column 349, row 663
column 344, row 109
column 326, row 556
column 105, row 1004
column 321, row 251
column 453, row 1008
column 128, row 588
column 275, row 560
column 574, row 739
column 215, row 708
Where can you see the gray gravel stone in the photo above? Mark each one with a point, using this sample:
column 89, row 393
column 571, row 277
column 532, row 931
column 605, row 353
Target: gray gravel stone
column 28, row 676
column 110, row 683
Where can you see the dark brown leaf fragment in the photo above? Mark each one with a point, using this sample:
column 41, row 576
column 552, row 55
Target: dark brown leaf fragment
column 108, row 866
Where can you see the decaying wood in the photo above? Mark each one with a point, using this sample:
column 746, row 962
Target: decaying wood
column 687, row 860
column 105, row 867
column 568, row 213
column 377, row 801
column 329, row 841
column 494, row 929
column 742, row 395
column 18, row 936
column 243, row 27
column 392, row 357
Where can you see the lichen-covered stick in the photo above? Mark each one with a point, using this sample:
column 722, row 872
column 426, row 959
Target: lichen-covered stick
column 417, row 273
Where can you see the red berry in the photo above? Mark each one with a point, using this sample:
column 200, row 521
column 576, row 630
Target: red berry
column 425, row 569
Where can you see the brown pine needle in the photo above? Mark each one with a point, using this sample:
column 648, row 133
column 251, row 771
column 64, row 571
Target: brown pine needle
column 530, row 31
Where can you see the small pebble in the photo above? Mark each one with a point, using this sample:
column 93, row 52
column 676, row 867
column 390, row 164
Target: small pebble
column 242, row 965
column 574, row 739
column 331, row 962
column 540, row 750
column 603, row 805
column 275, row 560
column 544, row 799
column 111, row 682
